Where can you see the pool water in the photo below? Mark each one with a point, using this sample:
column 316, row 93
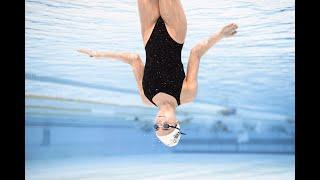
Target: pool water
column 85, row 119
column 252, row 72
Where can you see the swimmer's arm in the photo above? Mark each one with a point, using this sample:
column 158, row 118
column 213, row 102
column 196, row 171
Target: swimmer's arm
column 138, row 70
column 190, row 85
column 194, row 61
column 203, row 46
column 125, row 57
column 130, row 58
column 188, row 92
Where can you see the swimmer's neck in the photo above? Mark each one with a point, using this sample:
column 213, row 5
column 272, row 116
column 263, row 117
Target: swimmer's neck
column 166, row 105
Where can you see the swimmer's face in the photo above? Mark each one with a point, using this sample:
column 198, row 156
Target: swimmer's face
column 168, row 118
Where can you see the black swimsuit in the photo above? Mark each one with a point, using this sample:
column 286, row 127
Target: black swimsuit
column 163, row 70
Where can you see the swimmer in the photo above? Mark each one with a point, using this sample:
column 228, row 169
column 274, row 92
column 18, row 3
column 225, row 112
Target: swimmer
column 162, row 81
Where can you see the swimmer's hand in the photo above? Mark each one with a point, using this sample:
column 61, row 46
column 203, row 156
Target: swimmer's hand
column 228, row 30
column 91, row 53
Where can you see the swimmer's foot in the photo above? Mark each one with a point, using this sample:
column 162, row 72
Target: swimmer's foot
column 91, row 53
column 229, row 30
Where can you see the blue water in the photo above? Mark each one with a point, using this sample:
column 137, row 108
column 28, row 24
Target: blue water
column 252, row 72
column 78, row 108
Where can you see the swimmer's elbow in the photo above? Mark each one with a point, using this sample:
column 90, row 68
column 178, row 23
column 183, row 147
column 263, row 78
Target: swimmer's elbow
column 195, row 51
column 199, row 49
column 135, row 60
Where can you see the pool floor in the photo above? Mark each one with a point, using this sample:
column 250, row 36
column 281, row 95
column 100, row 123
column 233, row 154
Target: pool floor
column 166, row 166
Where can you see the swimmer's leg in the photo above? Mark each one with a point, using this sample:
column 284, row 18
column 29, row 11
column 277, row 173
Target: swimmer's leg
column 175, row 19
column 149, row 14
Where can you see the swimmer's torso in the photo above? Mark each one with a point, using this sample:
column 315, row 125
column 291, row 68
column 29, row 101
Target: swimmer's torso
column 163, row 70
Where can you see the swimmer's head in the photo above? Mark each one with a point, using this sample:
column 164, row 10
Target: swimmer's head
column 173, row 138
column 167, row 127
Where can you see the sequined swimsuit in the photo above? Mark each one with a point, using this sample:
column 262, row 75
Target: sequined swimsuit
column 163, row 70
